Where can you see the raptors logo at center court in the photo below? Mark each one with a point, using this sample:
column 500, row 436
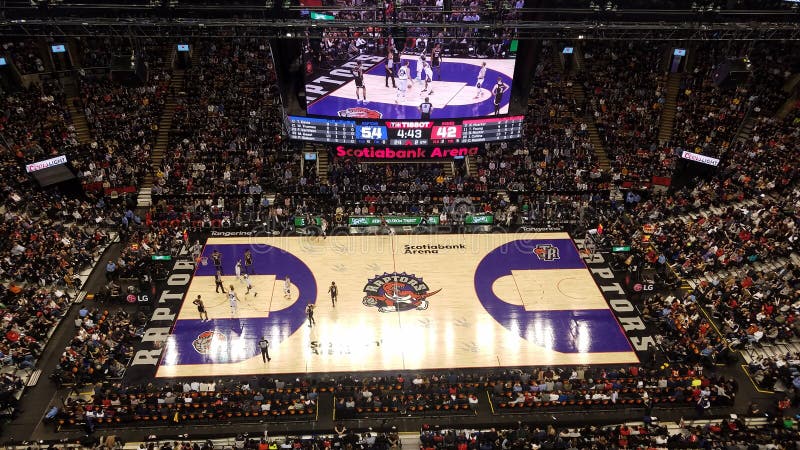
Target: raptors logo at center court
column 393, row 292
column 203, row 342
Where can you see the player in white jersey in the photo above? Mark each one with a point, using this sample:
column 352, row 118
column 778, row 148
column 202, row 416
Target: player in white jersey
column 233, row 299
column 287, row 287
column 420, row 68
column 249, row 285
column 238, row 270
column 481, row 77
column 402, row 82
column 428, row 78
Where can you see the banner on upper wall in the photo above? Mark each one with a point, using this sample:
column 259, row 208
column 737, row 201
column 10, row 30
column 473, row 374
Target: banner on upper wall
column 396, row 221
column 703, row 159
column 40, row 165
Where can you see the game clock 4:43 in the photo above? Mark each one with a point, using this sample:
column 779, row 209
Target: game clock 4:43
column 410, row 133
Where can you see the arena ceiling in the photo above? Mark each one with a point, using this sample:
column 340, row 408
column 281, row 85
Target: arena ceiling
column 539, row 19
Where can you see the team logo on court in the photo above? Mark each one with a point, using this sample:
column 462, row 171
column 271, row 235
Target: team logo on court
column 394, row 291
column 546, row 252
column 360, row 112
column 204, row 340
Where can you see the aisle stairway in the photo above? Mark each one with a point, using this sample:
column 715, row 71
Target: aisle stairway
column 746, row 128
column 472, row 166
column 72, row 46
column 787, row 107
column 322, row 163
column 670, row 106
column 557, row 63
column 448, row 170
column 79, row 121
column 594, row 135
column 162, row 139
column 578, row 94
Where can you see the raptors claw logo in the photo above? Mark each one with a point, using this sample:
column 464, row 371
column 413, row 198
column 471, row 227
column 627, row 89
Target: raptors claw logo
column 394, row 291
column 360, row 112
column 203, row 342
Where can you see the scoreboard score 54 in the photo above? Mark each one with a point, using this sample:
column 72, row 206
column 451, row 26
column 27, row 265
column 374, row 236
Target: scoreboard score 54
column 404, row 132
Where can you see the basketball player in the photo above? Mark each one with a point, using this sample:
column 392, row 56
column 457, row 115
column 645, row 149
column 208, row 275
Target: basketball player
column 428, row 78
column 402, row 82
column 334, row 291
column 479, row 83
column 389, row 66
column 233, row 299
column 358, row 75
column 287, row 286
column 196, row 250
column 218, row 282
column 238, row 270
column 310, row 315
column 420, row 68
column 498, row 90
column 436, row 61
column 323, row 227
column 425, row 109
column 248, row 262
column 249, row 285
column 216, row 257
column 201, row 308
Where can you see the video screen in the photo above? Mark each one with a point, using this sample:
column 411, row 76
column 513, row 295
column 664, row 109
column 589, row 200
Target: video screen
column 425, row 75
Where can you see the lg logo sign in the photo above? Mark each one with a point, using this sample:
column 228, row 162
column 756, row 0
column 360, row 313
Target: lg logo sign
column 137, row 298
column 639, row 287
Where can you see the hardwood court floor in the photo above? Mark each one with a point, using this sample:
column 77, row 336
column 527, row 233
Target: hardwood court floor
column 405, row 303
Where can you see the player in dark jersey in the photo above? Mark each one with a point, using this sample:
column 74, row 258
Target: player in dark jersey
column 216, row 257
column 358, row 76
column 248, row 262
column 498, row 90
column 436, row 61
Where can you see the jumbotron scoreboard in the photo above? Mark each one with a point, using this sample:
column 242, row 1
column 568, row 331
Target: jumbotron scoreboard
column 404, row 132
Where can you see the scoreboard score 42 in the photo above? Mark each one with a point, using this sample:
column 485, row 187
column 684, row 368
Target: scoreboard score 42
column 405, row 132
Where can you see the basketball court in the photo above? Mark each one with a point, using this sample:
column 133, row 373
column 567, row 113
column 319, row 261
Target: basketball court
column 406, row 302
